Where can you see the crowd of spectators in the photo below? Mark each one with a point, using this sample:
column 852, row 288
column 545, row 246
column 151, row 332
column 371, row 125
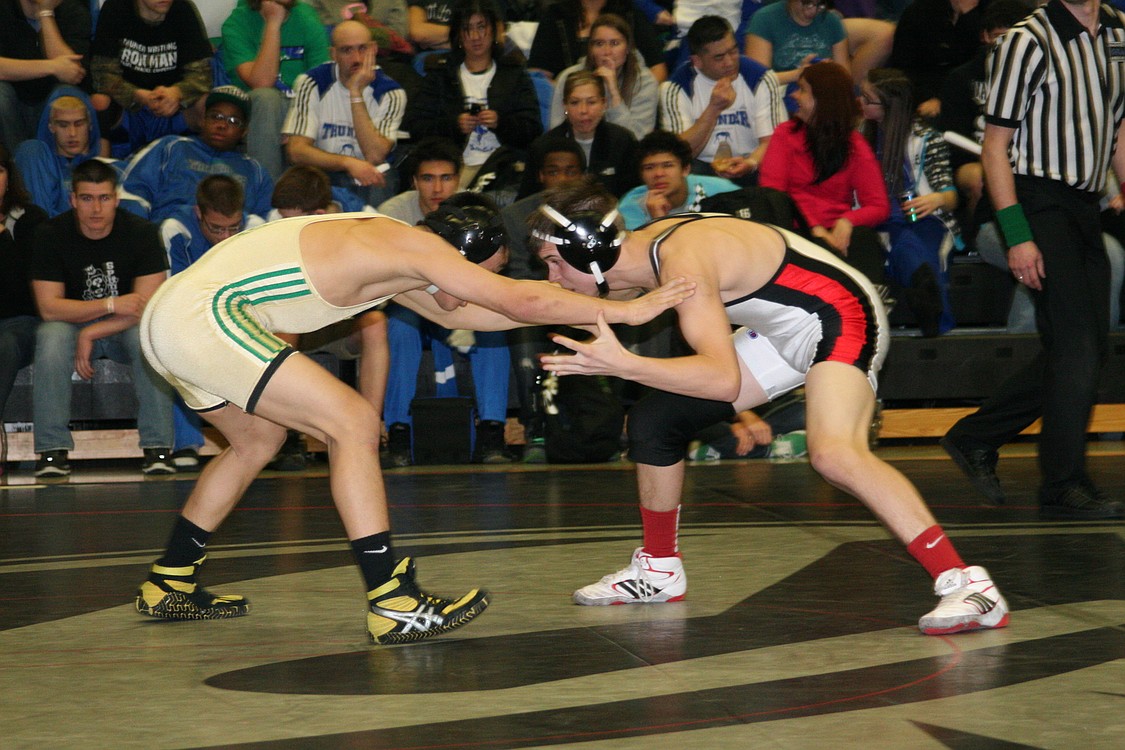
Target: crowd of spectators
column 396, row 105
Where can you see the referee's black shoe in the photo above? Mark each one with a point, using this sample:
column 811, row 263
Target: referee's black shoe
column 979, row 465
column 1079, row 502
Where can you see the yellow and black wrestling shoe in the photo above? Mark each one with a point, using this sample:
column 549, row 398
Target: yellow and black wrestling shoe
column 174, row 594
column 400, row 613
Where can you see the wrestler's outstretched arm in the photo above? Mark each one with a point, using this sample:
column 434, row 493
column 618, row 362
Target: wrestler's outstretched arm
column 497, row 303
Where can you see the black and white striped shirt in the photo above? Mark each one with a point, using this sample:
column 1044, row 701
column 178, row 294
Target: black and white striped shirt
column 1062, row 91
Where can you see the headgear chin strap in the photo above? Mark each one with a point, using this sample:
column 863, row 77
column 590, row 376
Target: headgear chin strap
column 477, row 232
column 587, row 242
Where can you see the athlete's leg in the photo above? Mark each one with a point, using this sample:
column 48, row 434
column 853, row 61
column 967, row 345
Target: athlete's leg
column 839, row 407
column 375, row 358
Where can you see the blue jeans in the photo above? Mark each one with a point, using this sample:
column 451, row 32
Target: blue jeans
column 188, row 427
column 55, row 344
column 17, row 348
column 489, row 361
column 268, row 107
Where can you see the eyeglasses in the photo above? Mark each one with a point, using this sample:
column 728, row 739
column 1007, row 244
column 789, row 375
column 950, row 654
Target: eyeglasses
column 232, row 120
column 868, row 100
column 219, row 230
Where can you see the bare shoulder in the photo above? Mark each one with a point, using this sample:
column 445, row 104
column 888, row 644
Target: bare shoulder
column 714, row 236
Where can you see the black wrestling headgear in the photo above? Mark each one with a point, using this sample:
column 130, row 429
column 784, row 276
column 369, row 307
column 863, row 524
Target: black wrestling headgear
column 589, row 242
column 475, row 230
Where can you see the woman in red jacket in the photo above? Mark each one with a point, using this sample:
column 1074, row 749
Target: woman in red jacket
column 829, row 170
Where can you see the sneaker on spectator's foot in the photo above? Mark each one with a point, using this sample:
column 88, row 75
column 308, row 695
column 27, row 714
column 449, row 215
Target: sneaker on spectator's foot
column 398, row 446
column 647, row 580
column 158, row 461
column 789, row 445
column 399, row 612
column 291, row 457
column 1080, row 502
column 490, row 445
column 174, row 594
column 53, row 464
column 535, row 452
column 979, row 464
column 969, row 601
column 701, row 451
column 186, row 459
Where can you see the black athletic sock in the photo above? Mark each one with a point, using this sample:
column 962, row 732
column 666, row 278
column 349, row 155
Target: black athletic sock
column 187, row 544
column 375, row 557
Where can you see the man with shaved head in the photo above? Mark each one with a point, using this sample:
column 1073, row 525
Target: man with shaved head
column 345, row 116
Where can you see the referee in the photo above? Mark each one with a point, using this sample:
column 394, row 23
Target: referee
column 1053, row 128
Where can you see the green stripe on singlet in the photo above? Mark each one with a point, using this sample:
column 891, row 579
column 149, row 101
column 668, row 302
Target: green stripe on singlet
column 233, row 302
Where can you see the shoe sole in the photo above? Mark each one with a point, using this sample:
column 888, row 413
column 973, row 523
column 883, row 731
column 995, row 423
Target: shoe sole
column 585, row 601
column 52, row 474
column 155, row 470
column 177, row 606
column 965, row 627
column 460, row 620
column 1063, row 513
column 992, row 495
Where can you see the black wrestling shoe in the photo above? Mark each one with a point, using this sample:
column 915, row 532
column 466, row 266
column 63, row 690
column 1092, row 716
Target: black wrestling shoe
column 174, row 594
column 399, row 612
column 979, row 465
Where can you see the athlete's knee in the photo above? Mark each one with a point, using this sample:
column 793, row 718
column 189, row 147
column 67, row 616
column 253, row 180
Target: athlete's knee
column 355, row 421
column 838, row 459
column 662, row 424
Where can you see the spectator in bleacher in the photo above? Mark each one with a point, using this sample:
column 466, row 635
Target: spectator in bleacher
column 346, row 115
column 922, row 197
column 826, row 166
column 42, row 44
column 428, row 23
column 266, row 45
column 963, row 93
column 737, row 13
column 552, row 161
column 564, row 28
column 434, row 177
column 475, row 95
column 789, row 35
column 610, row 149
column 725, row 105
column 390, row 13
column 932, row 38
column 19, row 217
column 163, row 176
column 631, row 89
column 664, row 162
column 68, row 135
column 307, row 191
column 187, row 234
column 93, row 270
column 152, row 60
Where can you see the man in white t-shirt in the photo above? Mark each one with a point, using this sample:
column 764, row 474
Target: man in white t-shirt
column 346, row 115
column 724, row 104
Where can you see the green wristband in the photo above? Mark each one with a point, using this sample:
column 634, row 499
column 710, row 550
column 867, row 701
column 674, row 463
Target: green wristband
column 1014, row 225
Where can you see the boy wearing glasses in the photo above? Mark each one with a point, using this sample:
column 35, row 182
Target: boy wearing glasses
column 163, row 177
column 93, row 269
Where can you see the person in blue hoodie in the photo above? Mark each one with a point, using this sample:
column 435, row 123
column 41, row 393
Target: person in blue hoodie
column 187, row 234
column 68, row 135
column 163, row 176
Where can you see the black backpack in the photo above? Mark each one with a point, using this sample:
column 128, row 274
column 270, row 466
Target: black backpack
column 759, row 204
column 582, row 419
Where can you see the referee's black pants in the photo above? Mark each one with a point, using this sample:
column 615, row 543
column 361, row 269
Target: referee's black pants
column 1072, row 315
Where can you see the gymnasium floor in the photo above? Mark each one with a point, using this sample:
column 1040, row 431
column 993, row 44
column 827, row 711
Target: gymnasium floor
column 798, row 632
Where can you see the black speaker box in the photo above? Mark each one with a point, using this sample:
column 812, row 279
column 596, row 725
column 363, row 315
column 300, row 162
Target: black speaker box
column 444, row 430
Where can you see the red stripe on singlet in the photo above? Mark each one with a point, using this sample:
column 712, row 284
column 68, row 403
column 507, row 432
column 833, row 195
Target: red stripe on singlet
column 848, row 344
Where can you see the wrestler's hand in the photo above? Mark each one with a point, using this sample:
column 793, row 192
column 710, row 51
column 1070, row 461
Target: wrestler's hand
column 1026, row 263
column 83, row 349
column 601, row 355
column 648, row 306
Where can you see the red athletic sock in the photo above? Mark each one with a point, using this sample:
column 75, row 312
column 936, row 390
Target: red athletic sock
column 933, row 549
column 661, row 532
